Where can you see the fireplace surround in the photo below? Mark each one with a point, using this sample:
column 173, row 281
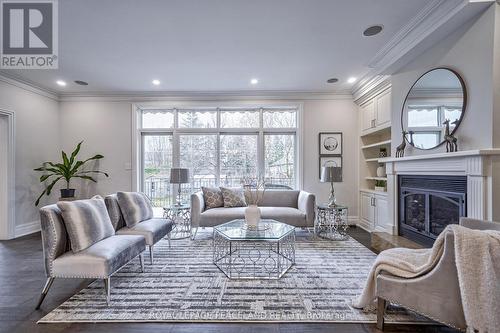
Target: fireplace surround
column 427, row 204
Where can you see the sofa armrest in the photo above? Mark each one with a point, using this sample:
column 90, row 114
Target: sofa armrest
column 306, row 204
column 479, row 224
column 54, row 236
column 197, row 207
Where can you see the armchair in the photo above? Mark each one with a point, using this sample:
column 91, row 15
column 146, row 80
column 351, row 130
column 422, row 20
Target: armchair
column 436, row 294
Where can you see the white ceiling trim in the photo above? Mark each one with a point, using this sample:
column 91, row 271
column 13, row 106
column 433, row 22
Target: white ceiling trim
column 29, row 86
column 428, row 20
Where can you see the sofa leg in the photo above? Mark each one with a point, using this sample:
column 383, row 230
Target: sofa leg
column 381, row 303
column 107, row 287
column 194, row 235
column 151, row 254
column 168, row 238
column 45, row 290
column 141, row 260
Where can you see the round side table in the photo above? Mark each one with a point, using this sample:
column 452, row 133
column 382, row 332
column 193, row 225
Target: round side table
column 181, row 218
column 331, row 222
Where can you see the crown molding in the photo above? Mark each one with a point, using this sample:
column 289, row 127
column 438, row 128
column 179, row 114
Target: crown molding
column 436, row 14
column 372, row 88
column 138, row 97
column 29, row 86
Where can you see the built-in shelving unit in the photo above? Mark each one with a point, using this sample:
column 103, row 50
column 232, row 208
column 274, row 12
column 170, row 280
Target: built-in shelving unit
column 374, row 135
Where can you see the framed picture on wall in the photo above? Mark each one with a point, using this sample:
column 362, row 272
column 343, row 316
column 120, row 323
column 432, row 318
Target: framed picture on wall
column 330, row 143
column 325, row 161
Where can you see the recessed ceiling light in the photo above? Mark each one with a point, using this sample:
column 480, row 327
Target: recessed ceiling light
column 351, row 80
column 156, row 82
column 61, row 83
column 373, row 30
column 332, row 80
column 254, row 81
column 82, row 83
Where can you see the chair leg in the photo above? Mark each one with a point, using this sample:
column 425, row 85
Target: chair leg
column 151, row 254
column 168, row 238
column 195, row 232
column 381, row 303
column 45, row 290
column 141, row 260
column 107, row 286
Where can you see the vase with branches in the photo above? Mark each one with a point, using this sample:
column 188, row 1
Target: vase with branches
column 70, row 168
column 254, row 189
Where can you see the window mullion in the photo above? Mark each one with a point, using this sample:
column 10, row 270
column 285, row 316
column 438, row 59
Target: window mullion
column 217, row 169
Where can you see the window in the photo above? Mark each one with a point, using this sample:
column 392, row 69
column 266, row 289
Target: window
column 220, row 146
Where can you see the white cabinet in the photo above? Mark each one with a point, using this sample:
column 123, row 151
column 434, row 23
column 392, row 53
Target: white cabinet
column 368, row 116
column 376, row 113
column 383, row 108
column 374, row 210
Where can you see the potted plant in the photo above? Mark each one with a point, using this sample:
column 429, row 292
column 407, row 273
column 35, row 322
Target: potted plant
column 68, row 169
column 380, row 185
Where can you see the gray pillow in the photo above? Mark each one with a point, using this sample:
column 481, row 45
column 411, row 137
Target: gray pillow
column 135, row 207
column 87, row 222
column 212, row 197
column 233, row 197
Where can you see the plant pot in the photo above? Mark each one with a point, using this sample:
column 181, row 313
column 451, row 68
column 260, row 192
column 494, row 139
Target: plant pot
column 67, row 193
column 380, row 188
column 381, row 171
column 252, row 216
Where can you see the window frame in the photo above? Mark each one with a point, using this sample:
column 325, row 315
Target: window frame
column 176, row 131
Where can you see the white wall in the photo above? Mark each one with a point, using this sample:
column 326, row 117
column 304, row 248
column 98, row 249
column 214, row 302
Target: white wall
column 106, row 128
column 470, row 52
column 37, row 140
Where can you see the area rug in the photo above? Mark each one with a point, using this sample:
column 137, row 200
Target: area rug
column 184, row 286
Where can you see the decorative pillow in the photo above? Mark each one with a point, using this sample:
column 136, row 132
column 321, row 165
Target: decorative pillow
column 233, row 197
column 135, row 207
column 87, row 222
column 212, row 197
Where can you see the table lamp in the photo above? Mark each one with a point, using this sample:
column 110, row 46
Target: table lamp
column 331, row 174
column 179, row 176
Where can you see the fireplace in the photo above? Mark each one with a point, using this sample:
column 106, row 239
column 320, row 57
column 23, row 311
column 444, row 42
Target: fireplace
column 427, row 204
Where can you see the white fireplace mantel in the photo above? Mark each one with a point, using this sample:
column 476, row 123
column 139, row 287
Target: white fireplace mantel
column 480, row 166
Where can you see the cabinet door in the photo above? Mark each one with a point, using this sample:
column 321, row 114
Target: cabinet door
column 367, row 208
column 383, row 108
column 368, row 115
column 381, row 211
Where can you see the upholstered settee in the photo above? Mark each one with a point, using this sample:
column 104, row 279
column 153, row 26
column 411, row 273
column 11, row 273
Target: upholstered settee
column 288, row 206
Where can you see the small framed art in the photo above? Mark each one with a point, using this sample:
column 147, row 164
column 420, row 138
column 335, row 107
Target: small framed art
column 330, row 143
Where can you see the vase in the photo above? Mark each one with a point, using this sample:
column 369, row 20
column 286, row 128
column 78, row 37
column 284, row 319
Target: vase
column 252, row 216
column 381, row 171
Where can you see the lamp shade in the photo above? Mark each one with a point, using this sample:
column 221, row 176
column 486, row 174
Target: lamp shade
column 331, row 174
column 179, row 176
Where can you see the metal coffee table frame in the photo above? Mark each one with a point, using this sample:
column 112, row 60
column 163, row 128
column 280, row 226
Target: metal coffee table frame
column 253, row 257
column 181, row 218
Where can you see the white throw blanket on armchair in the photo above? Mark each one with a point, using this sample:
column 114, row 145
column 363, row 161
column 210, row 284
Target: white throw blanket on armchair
column 477, row 256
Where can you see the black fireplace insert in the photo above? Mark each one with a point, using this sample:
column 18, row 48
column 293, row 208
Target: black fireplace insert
column 427, row 204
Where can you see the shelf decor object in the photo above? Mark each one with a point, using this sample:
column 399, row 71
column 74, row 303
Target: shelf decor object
column 331, row 174
column 179, row 176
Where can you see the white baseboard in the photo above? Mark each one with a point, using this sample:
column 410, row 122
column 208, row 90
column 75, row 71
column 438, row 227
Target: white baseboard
column 27, row 228
column 352, row 220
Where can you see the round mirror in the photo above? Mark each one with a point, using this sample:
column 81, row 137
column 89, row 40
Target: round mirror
column 433, row 108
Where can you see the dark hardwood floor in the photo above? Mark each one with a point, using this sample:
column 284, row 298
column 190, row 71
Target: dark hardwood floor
column 22, row 277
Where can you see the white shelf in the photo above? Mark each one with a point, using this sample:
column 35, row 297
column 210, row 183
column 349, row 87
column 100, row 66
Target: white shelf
column 376, row 178
column 372, row 159
column 377, row 144
column 368, row 190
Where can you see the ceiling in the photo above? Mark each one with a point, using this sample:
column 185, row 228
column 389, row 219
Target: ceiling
column 218, row 45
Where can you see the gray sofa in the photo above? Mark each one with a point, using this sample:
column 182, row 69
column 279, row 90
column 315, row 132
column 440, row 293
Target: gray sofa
column 153, row 229
column 99, row 261
column 437, row 293
column 288, row 206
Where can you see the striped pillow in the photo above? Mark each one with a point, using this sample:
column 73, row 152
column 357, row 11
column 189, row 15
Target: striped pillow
column 135, row 207
column 87, row 222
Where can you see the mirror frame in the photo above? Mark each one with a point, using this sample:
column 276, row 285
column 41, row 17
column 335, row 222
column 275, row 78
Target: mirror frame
column 464, row 105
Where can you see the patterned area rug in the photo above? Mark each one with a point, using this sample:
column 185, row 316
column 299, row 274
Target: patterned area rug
column 184, row 285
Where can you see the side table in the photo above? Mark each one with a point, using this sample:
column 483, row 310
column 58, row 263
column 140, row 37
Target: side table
column 181, row 218
column 331, row 222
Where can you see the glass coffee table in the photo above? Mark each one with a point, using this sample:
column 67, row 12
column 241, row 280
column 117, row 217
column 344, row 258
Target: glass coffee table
column 267, row 252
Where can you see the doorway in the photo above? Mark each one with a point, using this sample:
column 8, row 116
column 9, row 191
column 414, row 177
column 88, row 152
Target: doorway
column 7, row 219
